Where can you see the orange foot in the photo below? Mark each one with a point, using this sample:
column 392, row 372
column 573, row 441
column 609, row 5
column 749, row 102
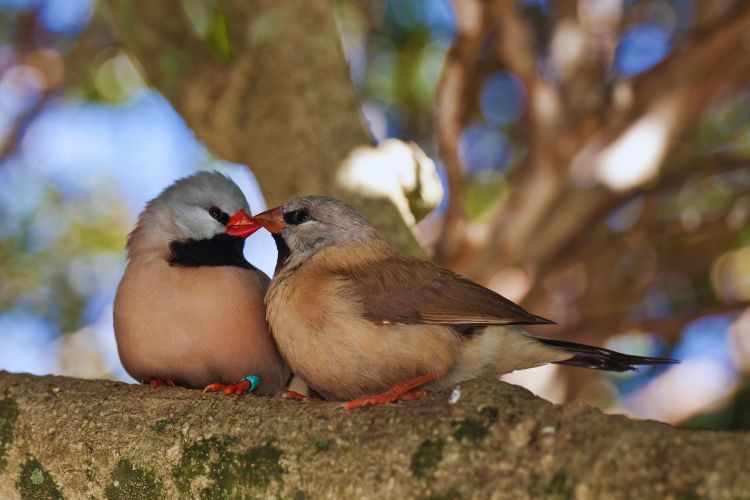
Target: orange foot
column 301, row 397
column 156, row 382
column 247, row 384
column 403, row 391
column 294, row 395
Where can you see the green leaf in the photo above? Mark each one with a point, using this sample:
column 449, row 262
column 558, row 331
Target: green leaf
column 218, row 36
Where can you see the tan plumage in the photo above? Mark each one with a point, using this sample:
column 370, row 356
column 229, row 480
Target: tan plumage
column 188, row 307
column 354, row 319
column 311, row 308
column 326, row 329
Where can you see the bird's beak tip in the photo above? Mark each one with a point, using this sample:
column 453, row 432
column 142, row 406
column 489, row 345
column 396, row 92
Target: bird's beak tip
column 242, row 224
column 272, row 220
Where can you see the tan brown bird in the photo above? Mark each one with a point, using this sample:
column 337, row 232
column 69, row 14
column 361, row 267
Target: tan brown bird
column 358, row 322
column 189, row 309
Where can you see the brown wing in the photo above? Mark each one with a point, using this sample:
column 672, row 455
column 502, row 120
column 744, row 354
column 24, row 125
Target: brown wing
column 409, row 291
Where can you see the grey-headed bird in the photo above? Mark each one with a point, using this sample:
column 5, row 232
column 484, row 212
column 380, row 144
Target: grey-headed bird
column 189, row 309
column 360, row 323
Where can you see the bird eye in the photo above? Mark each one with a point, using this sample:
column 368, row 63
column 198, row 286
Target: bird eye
column 219, row 215
column 297, row 216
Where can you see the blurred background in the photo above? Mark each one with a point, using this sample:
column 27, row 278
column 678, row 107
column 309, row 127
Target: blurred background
column 594, row 154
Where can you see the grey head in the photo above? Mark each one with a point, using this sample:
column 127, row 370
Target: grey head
column 194, row 208
column 306, row 225
column 200, row 205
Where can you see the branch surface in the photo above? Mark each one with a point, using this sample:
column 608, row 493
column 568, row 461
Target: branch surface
column 78, row 438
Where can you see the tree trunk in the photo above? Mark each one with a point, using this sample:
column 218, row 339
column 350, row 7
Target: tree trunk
column 275, row 95
column 85, row 438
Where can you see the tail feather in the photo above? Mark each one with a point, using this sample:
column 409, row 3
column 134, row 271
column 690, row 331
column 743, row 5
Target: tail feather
column 599, row 358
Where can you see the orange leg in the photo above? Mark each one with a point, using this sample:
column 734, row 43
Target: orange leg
column 403, row 391
column 247, row 384
column 155, row 382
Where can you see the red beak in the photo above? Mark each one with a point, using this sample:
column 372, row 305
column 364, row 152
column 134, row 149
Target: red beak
column 241, row 224
column 273, row 220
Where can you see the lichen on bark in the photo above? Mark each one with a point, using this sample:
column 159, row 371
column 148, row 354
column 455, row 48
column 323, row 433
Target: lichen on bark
column 209, row 469
column 8, row 416
column 130, row 482
column 35, row 483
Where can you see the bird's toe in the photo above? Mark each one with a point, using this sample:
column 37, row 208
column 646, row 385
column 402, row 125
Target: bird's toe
column 157, row 382
column 245, row 385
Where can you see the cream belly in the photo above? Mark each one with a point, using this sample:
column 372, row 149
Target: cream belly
column 498, row 350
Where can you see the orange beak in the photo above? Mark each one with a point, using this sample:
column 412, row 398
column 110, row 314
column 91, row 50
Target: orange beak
column 273, row 220
column 241, row 224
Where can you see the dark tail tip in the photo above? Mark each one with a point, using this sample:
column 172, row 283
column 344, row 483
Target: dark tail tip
column 599, row 358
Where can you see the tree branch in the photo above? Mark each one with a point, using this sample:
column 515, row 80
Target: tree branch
column 670, row 327
column 168, row 49
column 566, row 209
column 558, row 240
column 265, row 105
column 61, row 70
column 516, row 44
column 93, row 438
column 715, row 45
column 455, row 93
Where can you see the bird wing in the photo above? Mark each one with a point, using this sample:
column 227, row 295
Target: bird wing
column 412, row 291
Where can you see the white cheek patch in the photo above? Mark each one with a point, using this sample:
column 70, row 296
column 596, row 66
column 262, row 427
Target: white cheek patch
column 195, row 223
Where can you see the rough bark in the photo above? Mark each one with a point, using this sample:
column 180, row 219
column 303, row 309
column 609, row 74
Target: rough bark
column 278, row 97
column 81, row 438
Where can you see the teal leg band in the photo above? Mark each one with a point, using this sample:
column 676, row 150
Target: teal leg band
column 254, row 381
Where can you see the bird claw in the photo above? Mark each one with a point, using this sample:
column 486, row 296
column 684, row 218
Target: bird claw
column 294, row 395
column 246, row 385
column 241, row 387
column 298, row 396
column 153, row 383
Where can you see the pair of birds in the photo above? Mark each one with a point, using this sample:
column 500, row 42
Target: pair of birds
column 354, row 320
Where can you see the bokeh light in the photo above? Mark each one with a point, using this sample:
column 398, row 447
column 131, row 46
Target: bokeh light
column 503, row 98
column 484, row 147
column 642, row 47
